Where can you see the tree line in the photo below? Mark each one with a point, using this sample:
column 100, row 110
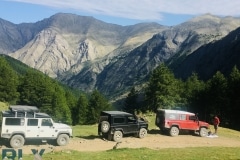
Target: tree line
column 37, row 89
column 217, row 96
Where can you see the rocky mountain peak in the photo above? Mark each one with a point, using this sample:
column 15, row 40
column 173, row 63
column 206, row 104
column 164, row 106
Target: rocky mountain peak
column 65, row 41
column 205, row 17
column 87, row 53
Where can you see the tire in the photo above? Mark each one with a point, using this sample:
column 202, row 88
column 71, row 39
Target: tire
column 117, row 136
column 17, row 141
column 142, row 133
column 62, row 139
column 203, row 132
column 174, row 131
column 105, row 126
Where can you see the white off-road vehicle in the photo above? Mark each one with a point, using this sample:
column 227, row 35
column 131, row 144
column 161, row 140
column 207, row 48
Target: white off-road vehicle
column 20, row 123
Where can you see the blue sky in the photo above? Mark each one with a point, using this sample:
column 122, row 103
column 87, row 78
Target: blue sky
column 122, row 12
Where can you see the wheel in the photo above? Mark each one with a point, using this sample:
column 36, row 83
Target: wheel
column 17, row 141
column 142, row 133
column 117, row 136
column 174, row 131
column 203, row 132
column 62, row 139
column 105, row 126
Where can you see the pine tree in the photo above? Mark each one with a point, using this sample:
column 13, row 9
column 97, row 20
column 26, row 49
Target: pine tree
column 97, row 103
column 80, row 110
column 131, row 102
column 71, row 99
column 216, row 94
column 60, row 109
column 8, row 83
column 36, row 89
column 233, row 109
column 163, row 90
column 192, row 91
column 39, row 90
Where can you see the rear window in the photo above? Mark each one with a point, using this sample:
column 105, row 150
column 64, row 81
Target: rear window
column 14, row 121
column 172, row 116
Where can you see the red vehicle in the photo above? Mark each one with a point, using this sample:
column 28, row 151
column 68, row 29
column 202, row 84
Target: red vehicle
column 173, row 121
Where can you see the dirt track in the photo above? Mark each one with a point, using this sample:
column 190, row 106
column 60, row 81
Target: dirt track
column 154, row 140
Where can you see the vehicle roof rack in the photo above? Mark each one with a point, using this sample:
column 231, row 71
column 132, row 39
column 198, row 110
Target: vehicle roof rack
column 23, row 108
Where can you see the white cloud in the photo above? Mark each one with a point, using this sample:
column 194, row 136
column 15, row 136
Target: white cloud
column 145, row 9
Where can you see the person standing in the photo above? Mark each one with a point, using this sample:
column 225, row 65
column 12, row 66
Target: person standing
column 216, row 123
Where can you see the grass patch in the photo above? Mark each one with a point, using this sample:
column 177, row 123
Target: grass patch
column 189, row 153
column 3, row 106
column 199, row 153
column 90, row 131
column 85, row 131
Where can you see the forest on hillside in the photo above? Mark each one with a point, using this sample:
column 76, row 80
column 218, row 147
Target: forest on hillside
column 218, row 95
column 25, row 86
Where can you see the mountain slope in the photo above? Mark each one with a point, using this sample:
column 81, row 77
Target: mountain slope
column 88, row 54
column 14, row 37
column 68, row 40
column 172, row 46
column 221, row 56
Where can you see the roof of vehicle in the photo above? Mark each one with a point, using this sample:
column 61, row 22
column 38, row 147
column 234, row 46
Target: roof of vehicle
column 23, row 108
column 42, row 115
column 115, row 113
column 22, row 114
column 175, row 111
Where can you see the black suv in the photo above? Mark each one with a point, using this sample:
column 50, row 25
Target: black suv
column 114, row 124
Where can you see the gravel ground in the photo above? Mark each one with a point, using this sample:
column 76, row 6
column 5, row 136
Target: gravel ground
column 154, row 140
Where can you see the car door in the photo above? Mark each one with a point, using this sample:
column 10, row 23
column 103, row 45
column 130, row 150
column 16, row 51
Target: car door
column 191, row 122
column 119, row 123
column 32, row 128
column 46, row 128
column 132, row 124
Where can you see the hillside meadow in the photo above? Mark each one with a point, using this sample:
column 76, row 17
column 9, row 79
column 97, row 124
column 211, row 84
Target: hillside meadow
column 187, row 153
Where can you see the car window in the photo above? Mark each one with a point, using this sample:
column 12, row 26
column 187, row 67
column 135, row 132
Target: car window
column 192, row 117
column 30, row 114
column 131, row 119
column 14, row 121
column 183, row 117
column 172, row 116
column 46, row 122
column 32, row 122
column 118, row 120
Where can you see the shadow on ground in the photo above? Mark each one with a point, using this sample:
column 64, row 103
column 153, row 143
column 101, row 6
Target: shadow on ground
column 5, row 142
column 89, row 137
column 166, row 133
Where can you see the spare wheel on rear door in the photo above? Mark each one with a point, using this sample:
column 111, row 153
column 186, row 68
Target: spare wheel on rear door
column 105, row 126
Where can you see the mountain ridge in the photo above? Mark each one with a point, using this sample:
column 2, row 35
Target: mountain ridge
column 87, row 53
column 61, row 44
column 224, row 53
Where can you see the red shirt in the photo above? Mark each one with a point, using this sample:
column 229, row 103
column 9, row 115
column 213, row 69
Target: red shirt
column 216, row 121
